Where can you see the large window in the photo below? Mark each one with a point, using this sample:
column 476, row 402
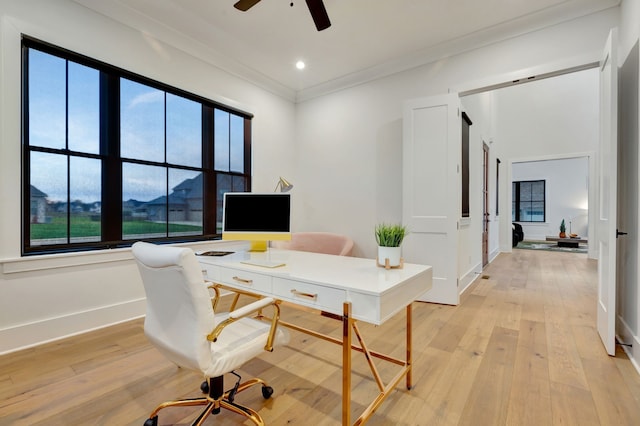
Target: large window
column 528, row 203
column 111, row 157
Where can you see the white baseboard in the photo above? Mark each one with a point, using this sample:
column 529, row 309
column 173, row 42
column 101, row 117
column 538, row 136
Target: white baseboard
column 625, row 335
column 24, row 336
column 494, row 254
column 467, row 279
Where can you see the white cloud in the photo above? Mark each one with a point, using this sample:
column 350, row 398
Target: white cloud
column 147, row 98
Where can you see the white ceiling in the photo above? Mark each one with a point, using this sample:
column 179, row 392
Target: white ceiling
column 367, row 39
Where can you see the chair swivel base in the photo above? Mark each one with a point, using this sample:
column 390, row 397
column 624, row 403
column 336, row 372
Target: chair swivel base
column 215, row 403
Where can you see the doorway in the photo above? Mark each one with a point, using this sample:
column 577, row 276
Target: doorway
column 549, row 118
column 564, row 198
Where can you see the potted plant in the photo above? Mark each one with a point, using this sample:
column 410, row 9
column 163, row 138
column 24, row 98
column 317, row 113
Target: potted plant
column 563, row 230
column 389, row 239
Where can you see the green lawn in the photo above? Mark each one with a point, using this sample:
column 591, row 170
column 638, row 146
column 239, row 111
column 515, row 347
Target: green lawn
column 83, row 226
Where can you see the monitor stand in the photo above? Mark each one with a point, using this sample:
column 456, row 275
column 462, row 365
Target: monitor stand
column 260, row 246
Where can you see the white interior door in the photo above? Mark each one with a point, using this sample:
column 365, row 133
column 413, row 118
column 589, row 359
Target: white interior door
column 432, row 132
column 606, row 232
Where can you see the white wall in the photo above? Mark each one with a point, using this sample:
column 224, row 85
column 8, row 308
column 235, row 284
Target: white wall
column 628, row 321
column 480, row 109
column 567, row 195
column 47, row 297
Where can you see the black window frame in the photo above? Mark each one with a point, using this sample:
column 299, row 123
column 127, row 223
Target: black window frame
column 112, row 162
column 517, row 202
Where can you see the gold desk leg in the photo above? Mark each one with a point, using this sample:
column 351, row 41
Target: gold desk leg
column 347, row 322
column 409, row 345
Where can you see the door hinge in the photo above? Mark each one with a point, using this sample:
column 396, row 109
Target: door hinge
column 457, row 282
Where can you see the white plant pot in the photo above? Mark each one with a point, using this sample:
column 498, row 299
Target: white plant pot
column 391, row 253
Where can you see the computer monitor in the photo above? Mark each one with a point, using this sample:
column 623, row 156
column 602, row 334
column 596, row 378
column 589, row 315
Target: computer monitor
column 258, row 218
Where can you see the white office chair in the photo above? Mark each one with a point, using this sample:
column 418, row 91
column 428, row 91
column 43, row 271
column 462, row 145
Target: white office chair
column 317, row 242
column 181, row 323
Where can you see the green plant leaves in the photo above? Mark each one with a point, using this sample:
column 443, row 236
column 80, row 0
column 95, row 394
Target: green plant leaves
column 390, row 235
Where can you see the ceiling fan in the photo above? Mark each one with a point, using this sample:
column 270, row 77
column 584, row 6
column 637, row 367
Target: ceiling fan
column 316, row 8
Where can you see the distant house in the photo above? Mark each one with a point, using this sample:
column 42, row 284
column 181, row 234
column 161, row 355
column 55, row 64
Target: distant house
column 134, row 209
column 157, row 209
column 96, row 207
column 38, row 205
column 191, row 190
column 184, row 203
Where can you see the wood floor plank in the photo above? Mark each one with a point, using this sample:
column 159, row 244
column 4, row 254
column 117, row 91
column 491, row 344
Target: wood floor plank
column 532, row 302
column 530, row 397
column 447, row 400
column 572, row 406
column 614, row 403
column 450, row 334
column 489, row 395
column 628, row 373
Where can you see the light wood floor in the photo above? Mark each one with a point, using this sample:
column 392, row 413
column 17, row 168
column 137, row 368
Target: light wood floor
column 520, row 349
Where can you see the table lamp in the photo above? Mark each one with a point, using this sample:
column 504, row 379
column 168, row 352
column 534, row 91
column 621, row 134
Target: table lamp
column 284, row 185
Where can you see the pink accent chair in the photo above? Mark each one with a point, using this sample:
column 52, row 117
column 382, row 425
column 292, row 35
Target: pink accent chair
column 317, row 242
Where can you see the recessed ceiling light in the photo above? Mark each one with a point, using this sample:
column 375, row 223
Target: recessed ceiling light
column 300, row 65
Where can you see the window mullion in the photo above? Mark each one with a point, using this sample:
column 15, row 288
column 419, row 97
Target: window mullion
column 167, row 167
column 26, row 177
column 66, row 144
column 247, row 153
column 111, row 214
column 517, row 195
column 209, row 182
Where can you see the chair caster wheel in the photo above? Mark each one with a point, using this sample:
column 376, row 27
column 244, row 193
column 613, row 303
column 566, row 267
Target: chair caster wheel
column 204, row 387
column 152, row 421
column 267, row 391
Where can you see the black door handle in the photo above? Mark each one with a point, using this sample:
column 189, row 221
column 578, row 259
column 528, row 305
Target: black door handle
column 618, row 233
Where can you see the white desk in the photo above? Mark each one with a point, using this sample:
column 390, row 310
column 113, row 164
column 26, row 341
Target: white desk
column 347, row 287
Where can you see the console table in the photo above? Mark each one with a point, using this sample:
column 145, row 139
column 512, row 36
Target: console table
column 568, row 242
column 346, row 288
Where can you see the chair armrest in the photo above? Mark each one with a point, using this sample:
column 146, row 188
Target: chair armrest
column 248, row 310
column 251, row 308
column 217, row 287
column 216, row 290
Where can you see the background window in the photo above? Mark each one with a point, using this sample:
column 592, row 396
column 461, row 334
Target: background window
column 528, row 201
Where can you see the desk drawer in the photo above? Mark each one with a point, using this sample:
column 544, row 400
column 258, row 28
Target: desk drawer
column 246, row 280
column 315, row 296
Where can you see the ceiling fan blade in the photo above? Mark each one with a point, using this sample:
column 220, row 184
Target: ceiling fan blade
column 245, row 5
column 319, row 14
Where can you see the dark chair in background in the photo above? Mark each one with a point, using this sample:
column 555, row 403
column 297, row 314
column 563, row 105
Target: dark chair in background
column 518, row 234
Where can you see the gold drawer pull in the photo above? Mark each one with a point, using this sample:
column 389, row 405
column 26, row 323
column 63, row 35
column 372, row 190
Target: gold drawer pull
column 301, row 294
column 243, row 280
